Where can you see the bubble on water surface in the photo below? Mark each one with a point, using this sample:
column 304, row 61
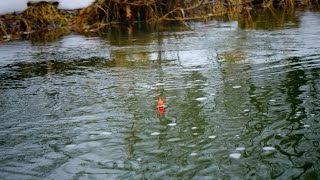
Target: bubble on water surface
column 106, row 133
column 236, row 87
column 201, row 98
column 235, row 155
column 268, row 148
column 193, row 154
column 212, row 137
column 240, row 148
column 191, row 145
column 155, row 134
column 173, row 139
column 71, row 146
column 172, row 124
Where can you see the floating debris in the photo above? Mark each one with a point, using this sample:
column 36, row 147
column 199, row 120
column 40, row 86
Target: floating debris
column 139, row 159
column 155, row 134
column 246, row 110
column 306, row 126
column 235, row 155
column 195, row 134
column 201, row 98
column 160, row 84
column 212, row 137
column 194, row 128
column 272, row 100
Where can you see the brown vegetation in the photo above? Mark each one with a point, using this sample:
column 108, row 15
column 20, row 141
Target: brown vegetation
column 113, row 13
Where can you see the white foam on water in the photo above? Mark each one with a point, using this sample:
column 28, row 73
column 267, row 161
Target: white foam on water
column 155, row 134
column 191, row 145
column 235, row 155
column 172, row 124
column 201, row 98
column 193, row 154
column 71, row 146
column 212, row 137
column 240, row 148
column 173, row 139
column 106, row 133
column 268, row 148
column 236, row 87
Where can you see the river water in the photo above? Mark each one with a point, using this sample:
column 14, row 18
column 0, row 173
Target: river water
column 242, row 102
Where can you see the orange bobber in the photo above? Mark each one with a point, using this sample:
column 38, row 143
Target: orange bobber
column 160, row 103
column 160, row 106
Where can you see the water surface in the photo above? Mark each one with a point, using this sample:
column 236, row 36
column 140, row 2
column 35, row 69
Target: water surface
column 241, row 103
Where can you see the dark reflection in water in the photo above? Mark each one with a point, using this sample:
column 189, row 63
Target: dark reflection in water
column 239, row 104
